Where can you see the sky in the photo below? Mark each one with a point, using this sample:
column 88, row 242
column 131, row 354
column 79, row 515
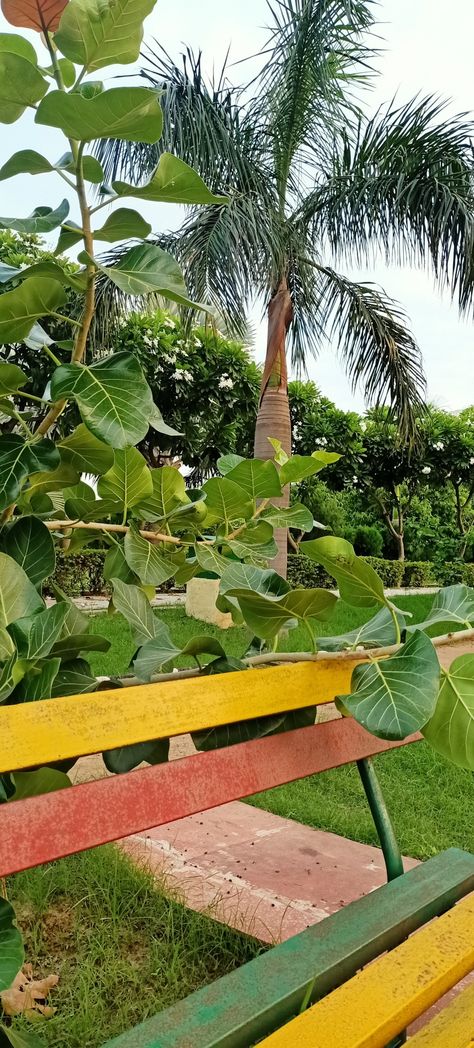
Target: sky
column 424, row 51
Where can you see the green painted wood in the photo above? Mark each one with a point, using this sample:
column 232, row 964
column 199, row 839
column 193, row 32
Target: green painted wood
column 251, row 1002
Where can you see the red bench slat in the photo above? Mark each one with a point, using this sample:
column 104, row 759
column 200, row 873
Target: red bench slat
column 41, row 829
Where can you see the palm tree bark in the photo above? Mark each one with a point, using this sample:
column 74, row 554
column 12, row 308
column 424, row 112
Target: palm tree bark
column 273, row 418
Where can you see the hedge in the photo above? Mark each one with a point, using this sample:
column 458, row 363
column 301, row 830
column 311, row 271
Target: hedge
column 81, row 574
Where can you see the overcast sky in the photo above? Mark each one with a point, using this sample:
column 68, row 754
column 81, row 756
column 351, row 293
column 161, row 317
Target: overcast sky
column 424, row 51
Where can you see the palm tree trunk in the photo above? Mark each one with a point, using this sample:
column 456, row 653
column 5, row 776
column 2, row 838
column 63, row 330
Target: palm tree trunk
column 273, row 418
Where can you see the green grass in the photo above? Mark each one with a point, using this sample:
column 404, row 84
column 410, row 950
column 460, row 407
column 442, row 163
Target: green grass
column 123, row 949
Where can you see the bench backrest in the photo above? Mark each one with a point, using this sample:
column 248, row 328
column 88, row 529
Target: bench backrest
column 108, row 809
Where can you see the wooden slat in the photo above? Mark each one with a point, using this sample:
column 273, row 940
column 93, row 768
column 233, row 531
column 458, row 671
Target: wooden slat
column 384, row 998
column 108, row 809
column 247, row 1004
column 452, row 1028
column 40, row 732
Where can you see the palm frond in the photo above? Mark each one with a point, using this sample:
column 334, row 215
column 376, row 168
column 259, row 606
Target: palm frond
column 317, row 53
column 377, row 348
column 405, row 187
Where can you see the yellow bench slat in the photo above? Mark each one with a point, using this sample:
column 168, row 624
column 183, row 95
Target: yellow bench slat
column 39, row 732
column 452, row 1028
column 384, row 998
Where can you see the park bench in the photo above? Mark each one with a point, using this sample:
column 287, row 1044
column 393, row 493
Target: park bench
column 318, row 988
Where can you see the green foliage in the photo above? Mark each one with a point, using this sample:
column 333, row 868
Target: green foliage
column 366, row 539
column 416, row 574
column 390, row 571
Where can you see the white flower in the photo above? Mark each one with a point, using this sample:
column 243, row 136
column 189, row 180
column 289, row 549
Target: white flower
column 187, row 376
column 122, row 322
column 322, row 442
column 169, row 358
column 355, row 480
column 471, row 461
column 169, row 323
column 197, row 342
column 182, row 376
column 363, row 426
column 426, row 470
column 225, row 382
column 147, row 341
column 439, row 446
column 180, row 342
column 178, row 375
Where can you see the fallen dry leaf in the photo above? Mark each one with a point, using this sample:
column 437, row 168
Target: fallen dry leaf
column 34, row 14
column 27, row 995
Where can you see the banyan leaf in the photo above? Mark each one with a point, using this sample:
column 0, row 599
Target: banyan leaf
column 128, row 481
column 378, row 632
column 31, row 300
column 85, row 452
column 257, row 727
column 158, row 423
column 226, row 501
column 35, row 783
column 21, row 85
column 7, row 647
column 130, row 113
column 228, row 462
column 161, row 650
column 11, row 1037
column 67, row 70
column 450, row 731
column 113, row 397
column 35, row 636
column 94, row 34
column 147, row 269
column 12, row 378
column 53, row 271
column 42, row 219
column 267, row 615
column 257, row 477
column 70, row 647
column 264, row 581
column 123, row 224
column 74, row 678
column 91, row 169
column 30, row 543
column 54, row 480
column 173, row 182
column 116, row 567
column 11, row 673
column 18, row 45
column 295, row 516
column 300, row 466
column 452, row 606
column 255, row 541
column 358, row 583
column 85, row 510
column 11, row 946
column 39, row 683
column 396, row 696
column 136, row 609
column 124, row 758
column 168, row 492
column 19, row 458
column 40, row 15
column 209, row 559
column 146, row 561
column 30, row 162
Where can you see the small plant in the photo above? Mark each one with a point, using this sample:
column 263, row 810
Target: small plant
column 149, row 525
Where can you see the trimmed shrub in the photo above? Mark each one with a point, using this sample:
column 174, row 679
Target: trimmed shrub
column 304, row 572
column 418, row 573
column 366, row 539
column 79, row 574
column 468, row 574
column 390, row 571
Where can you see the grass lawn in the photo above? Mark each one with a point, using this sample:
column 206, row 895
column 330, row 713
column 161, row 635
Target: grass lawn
column 123, row 949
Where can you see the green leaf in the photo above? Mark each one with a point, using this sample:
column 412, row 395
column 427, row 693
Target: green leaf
column 130, row 113
column 19, row 458
column 113, row 397
column 298, row 467
column 6, row 645
column 295, row 516
column 69, row 647
column 10, row 674
column 173, row 182
column 394, row 697
column 34, row 783
column 73, row 679
column 12, row 378
column 69, row 235
column 11, row 946
column 255, row 541
column 266, row 616
column 129, row 479
column 116, row 567
column 91, row 169
column 226, row 501
column 209, row 559
column 35, row 636
column 146, row 561
column 42, row 220
column 157, row 422
column 18, row 45
column 161, row 650
column 358, row 583
column 227, row 462
column 136, row 609
column 28, row 302
column 54, row 271
column 168, row 492
column 16, row 1038
column 122, row 225
column 55, row 480
column 85, row 510
column 85, row 452
column 147, row 269
column 260, row 580
column 21, row 85
column 124, row 758
column 257, row 727
column 453, row 605
column 38, row 685
column 94, row 34
column 258, row 478
column 68, row 73
column 378, row 632
column 25, row 162
column 30, row 543
column 450, row 731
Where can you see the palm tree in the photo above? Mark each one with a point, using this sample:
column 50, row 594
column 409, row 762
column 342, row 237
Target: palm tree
column 312, row 180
